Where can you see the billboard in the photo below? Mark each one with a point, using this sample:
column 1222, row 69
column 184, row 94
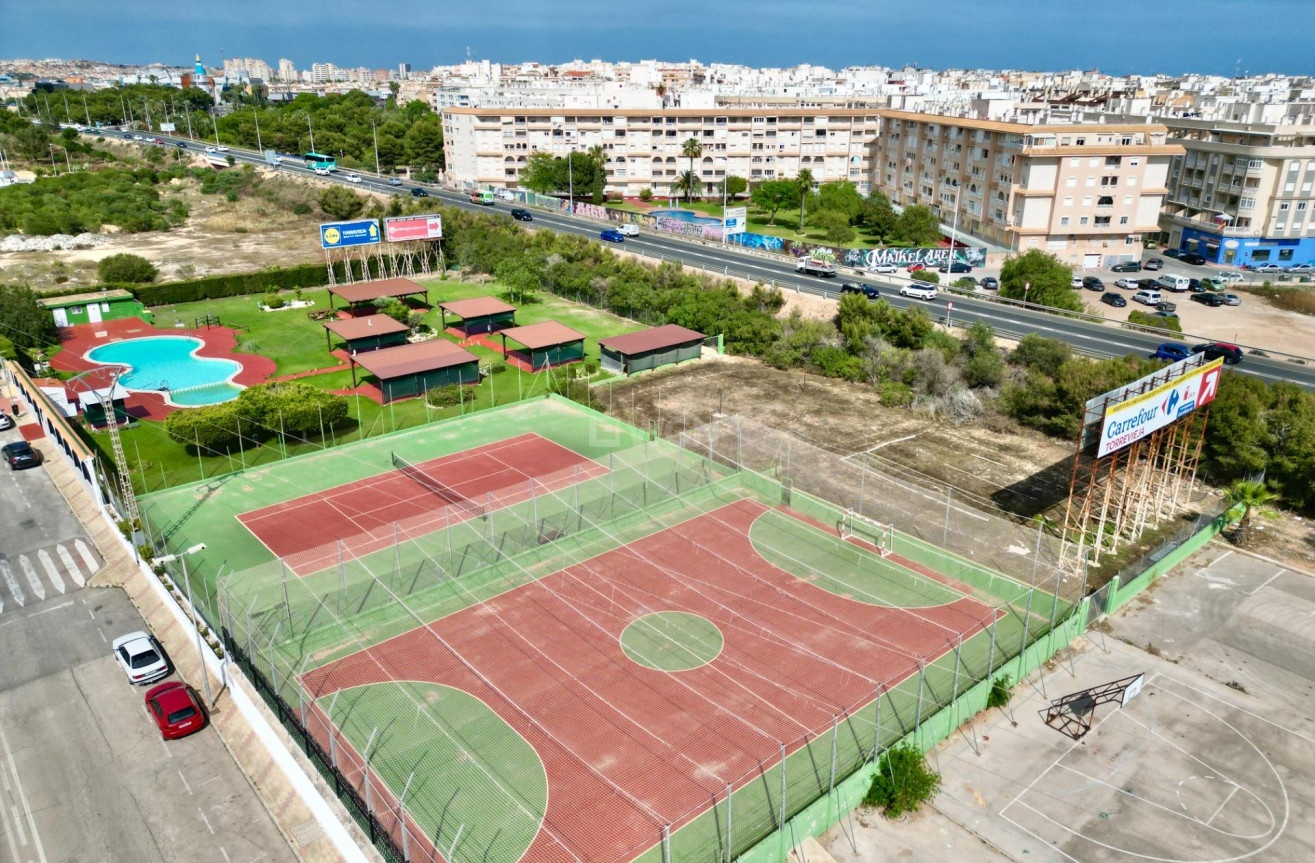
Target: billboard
column 339, row 235
column 1094, row 413
column 403, row 228
column 736, row 220
column 167, row 127
column 1131, row 420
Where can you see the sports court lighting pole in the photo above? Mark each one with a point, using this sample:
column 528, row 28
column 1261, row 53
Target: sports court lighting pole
column 200, row 655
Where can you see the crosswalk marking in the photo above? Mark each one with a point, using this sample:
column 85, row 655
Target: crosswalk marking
column 38, row 589
column 14, row 590
column 70, row 565
column 87, row 558
column 48, row 564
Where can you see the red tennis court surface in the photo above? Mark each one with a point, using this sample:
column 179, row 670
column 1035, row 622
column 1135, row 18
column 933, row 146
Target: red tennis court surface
column 628, row 748
column 362, row 514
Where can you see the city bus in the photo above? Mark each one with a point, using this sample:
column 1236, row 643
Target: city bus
column 316, row 160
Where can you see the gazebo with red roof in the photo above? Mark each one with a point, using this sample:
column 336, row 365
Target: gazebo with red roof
column 414, row 369
column 648, row 349
column 478, row 315
column 547, row 344
column 370, row 293
column 366, row 333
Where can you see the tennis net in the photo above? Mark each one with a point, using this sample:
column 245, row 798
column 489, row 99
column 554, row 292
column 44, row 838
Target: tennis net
column 442, row 491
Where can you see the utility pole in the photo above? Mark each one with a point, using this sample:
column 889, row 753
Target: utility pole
column 86, row 109
column 255, row 113
column 312, row 132
column 123, row 110
column 214, row 119
column 53, row 169
column 375, row 129
column 67, row 113
column 189, row 127
column 570, row 178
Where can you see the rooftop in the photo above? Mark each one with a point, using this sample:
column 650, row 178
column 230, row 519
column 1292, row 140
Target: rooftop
column 476, row 307
column 542, row 335
column 367, row 291
column 403, row 360
column 80, row 299
column 666, row 336
column 351, row 329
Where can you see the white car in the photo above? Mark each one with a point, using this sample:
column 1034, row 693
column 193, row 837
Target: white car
column 352, row 178
column 138, row 138
column 394, row 181
column 141, row 657
column 919, row 292
column 1076, row 282
column 1232, row 300
column 628, row 229
column 323, row 172
column 1229, row 278
column 885, row 269
column 222, row 148
column 211, row 150
column 1126, row 284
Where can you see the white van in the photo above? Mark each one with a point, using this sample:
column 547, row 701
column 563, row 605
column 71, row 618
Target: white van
column 628, row 229
column 1148, row 298
column 1177, row 284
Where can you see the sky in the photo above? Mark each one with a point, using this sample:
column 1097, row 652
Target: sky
column 1114, row 36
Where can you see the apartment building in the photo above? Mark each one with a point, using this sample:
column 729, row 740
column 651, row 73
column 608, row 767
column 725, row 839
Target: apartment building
column 1087, row 193
column 1242, row 193
column 643, row 146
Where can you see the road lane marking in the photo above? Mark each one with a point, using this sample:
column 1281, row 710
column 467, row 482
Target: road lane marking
column 86, row 556
column 71, row 566
column 33, row 581
column 206, row 820
column 48, row 564
column 14, row 590
column 185, row 785
column 27, row 808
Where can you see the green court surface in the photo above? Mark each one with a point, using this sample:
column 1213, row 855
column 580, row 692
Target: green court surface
column 494, row 805
column 671, row 641
column 843, row 568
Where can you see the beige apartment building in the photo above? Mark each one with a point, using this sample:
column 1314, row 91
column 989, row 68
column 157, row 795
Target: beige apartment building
column 1087, row 193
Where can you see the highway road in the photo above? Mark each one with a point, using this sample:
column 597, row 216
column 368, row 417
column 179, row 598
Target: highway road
column 1090, row 337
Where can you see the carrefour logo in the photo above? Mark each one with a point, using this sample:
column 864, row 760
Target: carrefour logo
column 332, row 236
column 1175, row 405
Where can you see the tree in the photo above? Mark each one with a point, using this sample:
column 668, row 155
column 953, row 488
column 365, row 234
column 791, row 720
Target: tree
column 834, row 224
column 909, row 328
column 688, row 183
column 522, row 275
column 543, row 173
column 1050, row 280
column 213, row 429
column 918, row 226
column 804, row 184
column 423, row 143
column 984, row 366
column 340, row 203
column 395, row 309
column 1041, row 354
column 1254, row 498
column 879, row 216
column 840, row 197
column 691, row 150
column 23, row 321
column 903, row 781
column 772, row 195
column 124, row 267
column 733, row 186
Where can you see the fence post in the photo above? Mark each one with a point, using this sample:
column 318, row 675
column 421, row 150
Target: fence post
column 781, row 823
column 283, row 577
column 401, row 817
column 342, row 570
column 954, row 689
column 945, row 534
column 397, row 552
column 922, row 679
column 333, row 745
column 990, row 657
column 728, row 823
column 876, row 723
column 365, row 774
column 835, row 732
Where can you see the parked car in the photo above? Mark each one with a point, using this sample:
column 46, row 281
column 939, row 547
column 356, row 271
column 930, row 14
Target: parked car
column 1173, row 253
column 1172, row 351
column 1269, row 268
column 138, row 138
column 394, row 181
column 855, row 288
column 1166, row 306
column 919, row 291
column 521, row 215
column 956, row 267
column 885, row 269
column 1195, row 286
column 1092, row 283
column 1126, row 267
column 141, row 657
column 913, row 268
column 629, row 229
column 418, row 192
column 6, row 422
column 1152, row 264
column 1208, row 299
column 20, row 455
column 989, row 283
column 612, row 235
column 1148, row 284
column 1076, row 283
column 1147, row 298
column 1231, row 354
column 176, row 709
column 1192, row 258
column 1302, row 269
column 1230, row 278
column 1110, row 298
column 1232, row 300
column 1210, row 284
column 1126, row 283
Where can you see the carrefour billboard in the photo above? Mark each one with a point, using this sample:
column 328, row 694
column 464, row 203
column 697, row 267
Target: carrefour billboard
column 1133, row 419
column 402, row 228
column 338, row 235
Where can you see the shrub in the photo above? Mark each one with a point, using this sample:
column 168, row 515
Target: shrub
column 301, row 208
column 903, row 782
column 213, row 429
column 1000, row 693
column 927, row 276
column 124, row 267
column 1150, row 319
column 274, row 301
column 445, row 397
column 646, row 194
column 895, row 394
column 498, row 368
column 293, row 407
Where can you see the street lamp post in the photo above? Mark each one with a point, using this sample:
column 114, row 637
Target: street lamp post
column 200, row 655
column 570, row 180
column 256, row 114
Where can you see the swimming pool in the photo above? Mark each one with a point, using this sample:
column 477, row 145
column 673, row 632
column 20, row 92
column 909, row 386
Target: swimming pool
column 169, row 365
column 686, row 216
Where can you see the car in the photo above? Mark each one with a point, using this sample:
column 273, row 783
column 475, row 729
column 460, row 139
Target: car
column 630, row 229
column 211, row 150
column 1269, row 268
column 141, row 657
column 1192, row 258
column 1110, row 298
column 1208, row 299
column 182, row 145
column 956, row 267
column 6, row 422
column 1126, row 283
column 1209, row 284
column 1148, row 284
column 1152, row 264
column 394, row 181
column 419, row 193
column 20, row 455
column 352, row 178
column 176, row 709
column 138, row 138
column 989, row 283
column 1302, row 268
column 1173, row 253
column 323, row 172
column 913, row 268
column 1232, row 299
column 1126, row 267
column 1166, row 306
column 1230, row 278
column 1172, row 351
column 1076, row 283
column 919, row 291
column 1231, row 354
column 521, row 215
column 127, row 136
column 611, row 235
column 884, row 269
column 222, row 148
column 160, row 141
column 1147, row 297
column 1092, row 283
column 855, row 288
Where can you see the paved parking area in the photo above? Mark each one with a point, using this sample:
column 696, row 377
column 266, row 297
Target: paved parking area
column 1211, row 762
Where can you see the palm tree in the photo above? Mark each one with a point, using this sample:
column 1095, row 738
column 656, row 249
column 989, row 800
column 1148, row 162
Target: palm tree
column 691, row 150
column 689, row 183
column 1252, row 496
column 805, row 181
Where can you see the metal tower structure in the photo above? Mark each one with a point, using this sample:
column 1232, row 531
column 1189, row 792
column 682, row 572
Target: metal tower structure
column 105, row 396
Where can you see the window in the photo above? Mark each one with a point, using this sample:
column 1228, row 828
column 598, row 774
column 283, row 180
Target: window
column 1071, row 182
column 1068, row 202
column 1091, row 181
column 1086, row 202
column 1123, row 220
column 1134, row 162
column 1102, row 221
column 1105, row 201
column 1094, row 162
column 1075, row 162
column 1260, row 255
column 1301, row 205
column 1082, row 221
column 1283, row 206
column 1063, row 220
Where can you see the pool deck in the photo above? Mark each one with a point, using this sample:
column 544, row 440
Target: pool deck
column 217, row 343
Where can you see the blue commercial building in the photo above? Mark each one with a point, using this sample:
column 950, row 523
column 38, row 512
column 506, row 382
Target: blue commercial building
column 1219, row 248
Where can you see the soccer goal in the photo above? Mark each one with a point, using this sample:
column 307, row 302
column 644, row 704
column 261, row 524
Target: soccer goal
column 868, row 530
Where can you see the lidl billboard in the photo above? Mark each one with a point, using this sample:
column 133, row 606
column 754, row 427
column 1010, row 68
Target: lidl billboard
column 403, row 228
column 338, row 235
column 1134, row 419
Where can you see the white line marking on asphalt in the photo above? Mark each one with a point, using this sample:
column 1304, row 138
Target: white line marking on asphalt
column 52, row 608
column 1267, row 581
column 1236, row 788
column 206, row 820
column 101, row 633
column 225, row 853
column 165, row 747
column 71, row 565
column 33, row 581
column 27, row 808
column 185, row 785
column 14, row 590
column 86, row 556
column 18, row 824
column 48, row 564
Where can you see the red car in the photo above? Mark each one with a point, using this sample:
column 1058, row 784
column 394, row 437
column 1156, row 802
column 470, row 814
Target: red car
column 913, row 268
column 176, row 709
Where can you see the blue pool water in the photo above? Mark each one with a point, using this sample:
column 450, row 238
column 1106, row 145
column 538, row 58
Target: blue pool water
column 686, row 216
column 168, row 364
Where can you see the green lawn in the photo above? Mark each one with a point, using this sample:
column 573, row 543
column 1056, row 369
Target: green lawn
column 787, row 220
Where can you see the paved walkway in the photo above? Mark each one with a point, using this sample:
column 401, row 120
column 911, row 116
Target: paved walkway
column 289, row 812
